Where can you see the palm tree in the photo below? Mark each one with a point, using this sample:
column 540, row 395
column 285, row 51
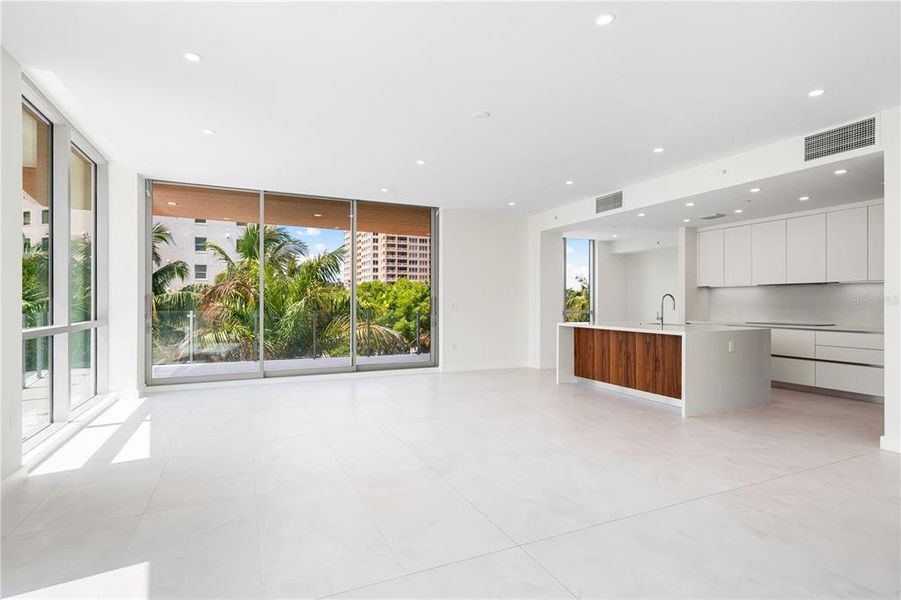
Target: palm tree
column 35, row 286
column 170, row 307
column 306, row 309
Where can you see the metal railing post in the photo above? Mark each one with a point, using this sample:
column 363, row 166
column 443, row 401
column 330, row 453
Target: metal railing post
column 418, row 335
column 315, row 350
column 190, row 336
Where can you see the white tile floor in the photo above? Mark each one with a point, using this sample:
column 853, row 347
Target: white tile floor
column 469, row 485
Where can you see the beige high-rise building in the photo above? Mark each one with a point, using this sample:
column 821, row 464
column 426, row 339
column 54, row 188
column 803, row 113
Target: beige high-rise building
column 388, row 257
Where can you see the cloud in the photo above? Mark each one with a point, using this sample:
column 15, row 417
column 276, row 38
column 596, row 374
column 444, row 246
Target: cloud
column 320, row 247
column 572, row 271
column 570, row 249
column 313, row 231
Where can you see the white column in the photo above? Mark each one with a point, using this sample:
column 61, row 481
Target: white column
column 11, row 264
column 125, row 330
column 891, row 142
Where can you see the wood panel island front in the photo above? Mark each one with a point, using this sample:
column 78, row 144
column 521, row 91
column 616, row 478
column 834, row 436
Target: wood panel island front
column 701, row 368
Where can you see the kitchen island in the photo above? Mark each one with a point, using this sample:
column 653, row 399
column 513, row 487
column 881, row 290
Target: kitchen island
column 702, row 369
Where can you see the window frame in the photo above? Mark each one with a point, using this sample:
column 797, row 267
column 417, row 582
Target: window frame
column 592, row 295
column 262, row 372
column 63, row 138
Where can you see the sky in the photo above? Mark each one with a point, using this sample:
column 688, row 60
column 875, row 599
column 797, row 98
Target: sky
column 318, row 240
column 577, row 261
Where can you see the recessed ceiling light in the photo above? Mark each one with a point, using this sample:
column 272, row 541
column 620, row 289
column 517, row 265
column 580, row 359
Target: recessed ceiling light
column 207, row 131
column 686, row 220
column 569, row 182
column 755, row 190
column 616, row 235
column 605, row 19
column 738, row 211
column 482, row 114
column 226, row 218
column 384, row 190
column 804, row 198
column 658, row 149
column 193, row 57
column 317, row 214
column 689, row 204
column 511, row 203
column 840, row 171
column 420, row 162
column 172, row 203
column 816, row 93
column 640, row 214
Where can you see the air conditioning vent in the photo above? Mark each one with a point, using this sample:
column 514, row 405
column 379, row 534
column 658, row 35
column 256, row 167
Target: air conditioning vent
column 608, row 202
column 713, row 216
column 840, row 139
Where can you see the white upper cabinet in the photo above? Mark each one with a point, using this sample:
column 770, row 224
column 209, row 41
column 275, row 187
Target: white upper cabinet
column 847, row 245
column 737, row 256
column 875, row 242
column 768, row 252
column 710, row 258
column 805, row 260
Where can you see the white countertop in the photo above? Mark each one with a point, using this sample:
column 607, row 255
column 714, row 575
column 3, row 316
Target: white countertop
column 844, row 327
column 643, row 327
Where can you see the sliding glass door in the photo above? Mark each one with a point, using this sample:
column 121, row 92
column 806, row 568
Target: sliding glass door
column 205, row 280
column 249, row 284
column 393, row 277
column 307, row 304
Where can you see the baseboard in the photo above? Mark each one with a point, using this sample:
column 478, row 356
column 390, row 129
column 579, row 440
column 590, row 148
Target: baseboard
column 507, row 364
column 890, row 445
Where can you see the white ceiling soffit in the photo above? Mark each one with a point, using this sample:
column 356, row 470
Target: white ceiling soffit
column 819, row 185
column 342, row 99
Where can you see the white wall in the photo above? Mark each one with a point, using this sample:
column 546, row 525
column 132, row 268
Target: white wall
column 650, row 275
column 891, row 139
column 483, row 290
column 10, row 264
column 126, row 280
column 629, row 286
column 609, row 283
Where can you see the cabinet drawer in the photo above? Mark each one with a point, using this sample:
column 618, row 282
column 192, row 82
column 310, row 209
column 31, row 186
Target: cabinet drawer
column 793, row 370
column 850, row 378
column 793, row 342
column 855, row 355
column 873, row 341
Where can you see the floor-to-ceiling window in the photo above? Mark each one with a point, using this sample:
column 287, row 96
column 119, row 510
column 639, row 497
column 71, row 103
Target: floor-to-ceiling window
column 82, row 298
column 394, row 278
column 308, row 320
column 578, row 277
column 205, row 281
column 37, row 367
column 59, row 267
column 213, row 271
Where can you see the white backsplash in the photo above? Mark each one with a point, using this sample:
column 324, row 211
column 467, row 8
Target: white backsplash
column 841, row 303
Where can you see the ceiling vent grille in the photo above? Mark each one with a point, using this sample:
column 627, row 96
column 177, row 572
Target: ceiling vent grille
column 713, row 216
column 608, row 202
column 840, row 139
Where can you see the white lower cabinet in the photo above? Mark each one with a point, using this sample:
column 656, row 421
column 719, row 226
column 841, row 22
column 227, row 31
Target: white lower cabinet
column 836, row 360
column 793, row 342
column 793, row 370
column 850, row 378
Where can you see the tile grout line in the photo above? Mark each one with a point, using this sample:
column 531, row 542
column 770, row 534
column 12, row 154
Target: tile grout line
column 475, row 507
column 356, row 489
column 696, row 499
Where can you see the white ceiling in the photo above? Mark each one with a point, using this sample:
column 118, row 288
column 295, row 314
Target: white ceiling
column 777, row 196
column 341, row 99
